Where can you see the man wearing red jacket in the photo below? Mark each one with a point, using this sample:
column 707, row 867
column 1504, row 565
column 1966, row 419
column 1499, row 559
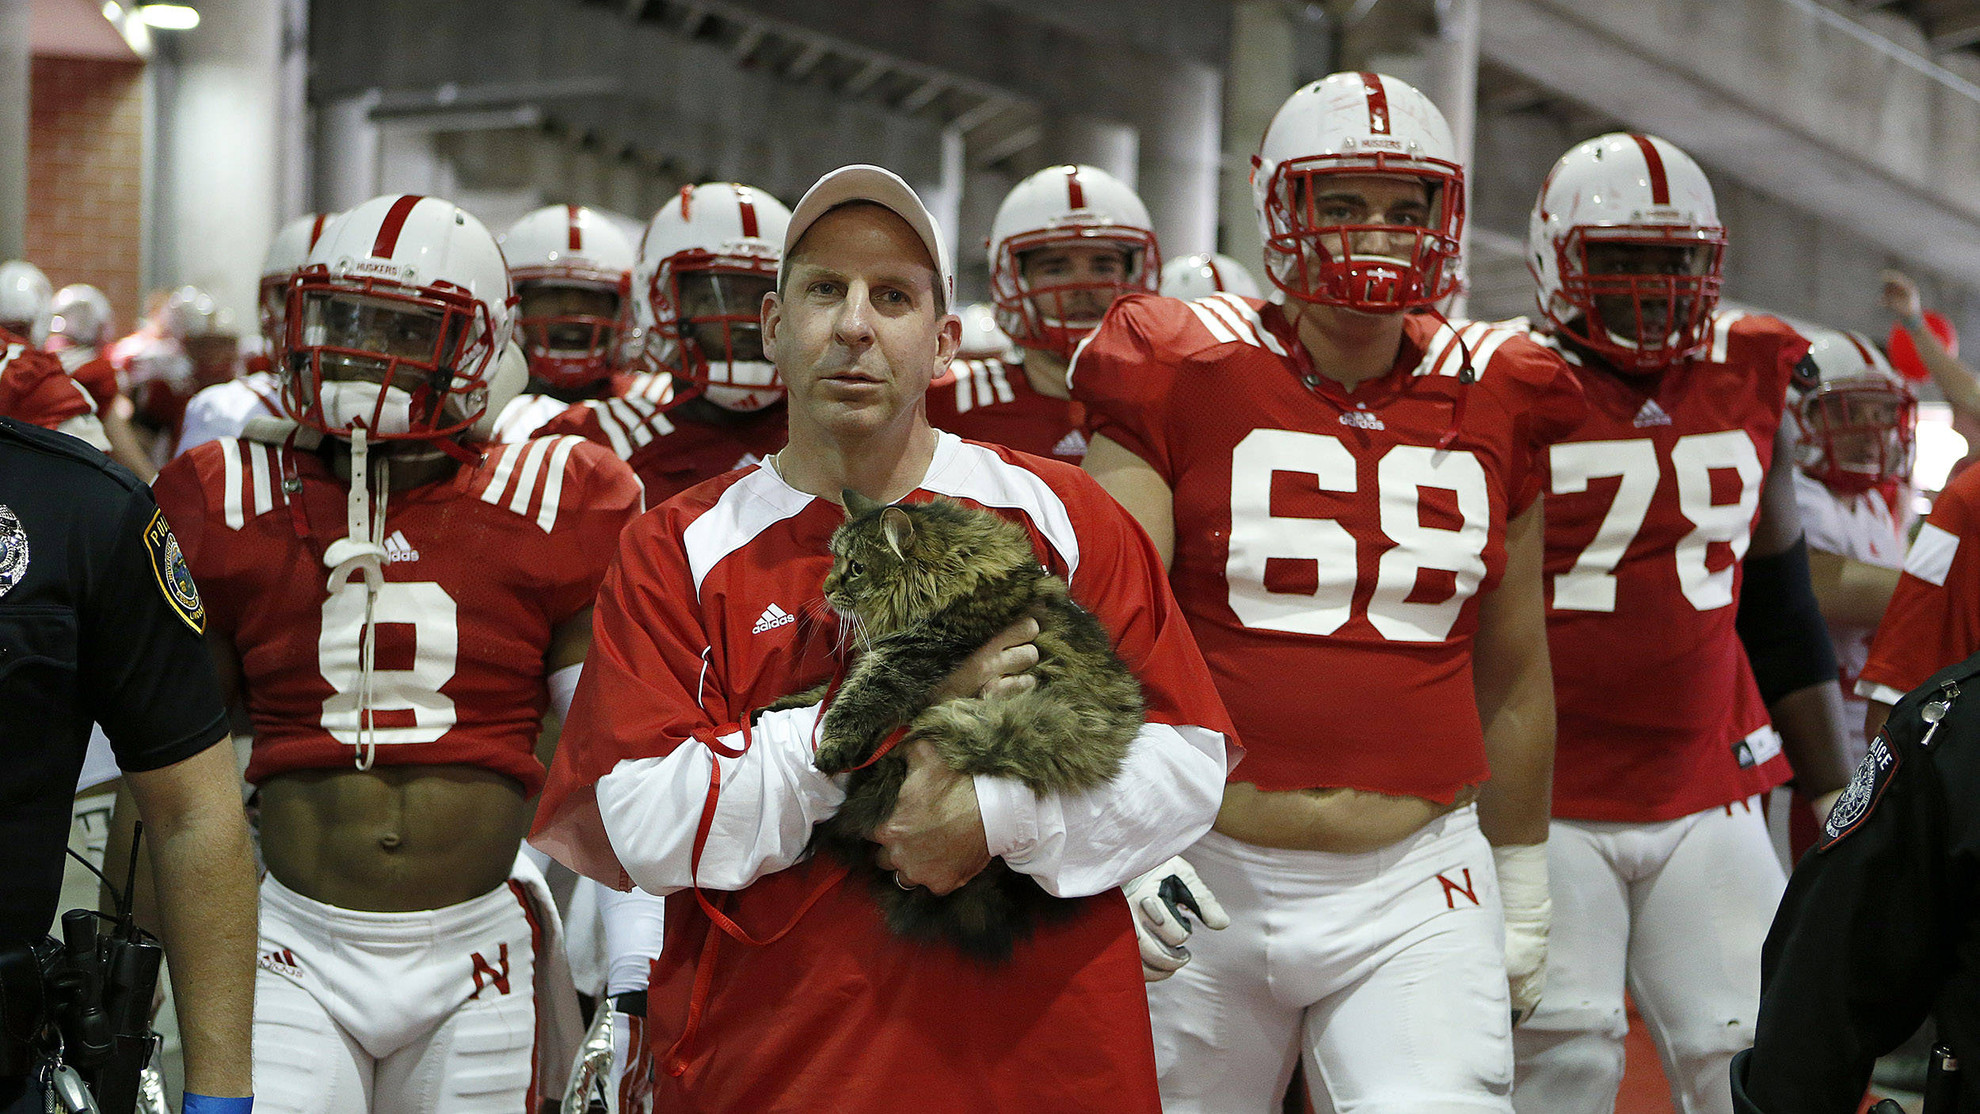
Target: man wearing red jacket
column 703, row 618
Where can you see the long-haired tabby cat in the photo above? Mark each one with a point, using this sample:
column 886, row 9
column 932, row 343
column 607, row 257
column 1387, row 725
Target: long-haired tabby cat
column 920, row 586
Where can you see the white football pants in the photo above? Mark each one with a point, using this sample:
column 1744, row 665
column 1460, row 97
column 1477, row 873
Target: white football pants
column 431, row 1012
column 1678, row 910
column 1385, row 970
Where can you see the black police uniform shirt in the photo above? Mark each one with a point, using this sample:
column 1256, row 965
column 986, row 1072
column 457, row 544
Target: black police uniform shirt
column 1880, row 925
column 99, row 621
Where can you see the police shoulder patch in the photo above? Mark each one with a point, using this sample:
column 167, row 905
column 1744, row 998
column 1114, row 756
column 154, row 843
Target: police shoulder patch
column 13, row 549
column 175, row 580
column 1866, row 787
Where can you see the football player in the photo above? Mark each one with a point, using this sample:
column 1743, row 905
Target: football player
column 35, row 390
column 223, row 409
column 1854, row 440
column 26, row 301
column 572, row 270
column 197, row 346
column 705, row 262
column 1669, row 505
column 1065, row 243
column 78, row 334
column 1934, row 615
column 1345, row 492
column 398, row 602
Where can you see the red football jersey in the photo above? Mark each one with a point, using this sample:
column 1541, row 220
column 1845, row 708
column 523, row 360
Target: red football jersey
column 34, row 388
column 1650, row 508
column 481, row 568
column 1934, row 617
column 1328, row 552
column 670, row 454
column 93, row 372
column 840, row 1014
column 993, row 402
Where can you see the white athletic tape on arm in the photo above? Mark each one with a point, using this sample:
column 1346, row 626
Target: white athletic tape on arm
column 563, row 686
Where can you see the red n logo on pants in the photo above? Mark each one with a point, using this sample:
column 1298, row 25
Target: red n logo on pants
column 1451, row 890
column 481, row 968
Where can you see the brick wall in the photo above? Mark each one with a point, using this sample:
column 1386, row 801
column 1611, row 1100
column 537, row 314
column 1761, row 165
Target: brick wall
column 86, row 176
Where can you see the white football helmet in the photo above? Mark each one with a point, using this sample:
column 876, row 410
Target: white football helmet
column 1358, row 125
column 1060, row 207
column 505, row 383
column 571, row 339
column 395, row 321
column 981, row 338
column 1857, row 427
column 81, row 316
column 286, row 255
column 1645, row 211
column 194, row 313
column 27, row 301
column 1204, row 274
column 706, row 260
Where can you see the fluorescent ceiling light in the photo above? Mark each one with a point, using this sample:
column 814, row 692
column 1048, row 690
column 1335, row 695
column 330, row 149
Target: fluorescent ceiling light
column 169, row 17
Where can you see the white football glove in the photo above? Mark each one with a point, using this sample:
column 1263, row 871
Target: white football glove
column 1529, row 912
column 1159, row 900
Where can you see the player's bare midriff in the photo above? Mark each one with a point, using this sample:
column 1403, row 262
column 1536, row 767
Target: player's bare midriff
column 392, row 839
column 1341, row 820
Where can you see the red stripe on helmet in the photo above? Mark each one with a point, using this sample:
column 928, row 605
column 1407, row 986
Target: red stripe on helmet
column 395, row 223
column 1660, row 183
column 687, row 196
column 577, row 235
column 1075, row 193
column 1378, row 103
column 316, row 229
column 1862, row 349
column 1216, row 276
column 748, row 210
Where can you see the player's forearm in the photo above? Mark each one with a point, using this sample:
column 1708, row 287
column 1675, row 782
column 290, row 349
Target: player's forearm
column 1851, row 592
column 1811, row 723
column 771, row 797
column 1513, row 678
column 1164, row 799
column 206, row 901
column 1954, row 379
column 1515, row 804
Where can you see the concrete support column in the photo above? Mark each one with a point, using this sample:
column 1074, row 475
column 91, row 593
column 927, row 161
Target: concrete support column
column 294, row 181
column 1450, row 62
column 347, row 151
column 1181, row 128
column 1257, row 80
column 1110, row 146
column 15, row 65
column 219, row 194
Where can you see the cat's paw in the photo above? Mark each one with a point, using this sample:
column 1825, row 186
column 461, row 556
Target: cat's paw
column 835, row 755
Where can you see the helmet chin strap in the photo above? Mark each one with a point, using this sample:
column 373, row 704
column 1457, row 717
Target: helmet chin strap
column 362, row 550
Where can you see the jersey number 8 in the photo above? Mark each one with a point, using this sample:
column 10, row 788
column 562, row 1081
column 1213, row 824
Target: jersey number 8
column 429, row 611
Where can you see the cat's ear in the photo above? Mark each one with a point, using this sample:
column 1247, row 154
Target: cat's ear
column 898, row 528
column 857, row 504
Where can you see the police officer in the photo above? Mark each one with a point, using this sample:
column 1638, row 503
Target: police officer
column 100, row 621
column 1881, row 922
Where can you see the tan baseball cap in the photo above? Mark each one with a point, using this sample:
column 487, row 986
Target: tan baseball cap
column 861, row 182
